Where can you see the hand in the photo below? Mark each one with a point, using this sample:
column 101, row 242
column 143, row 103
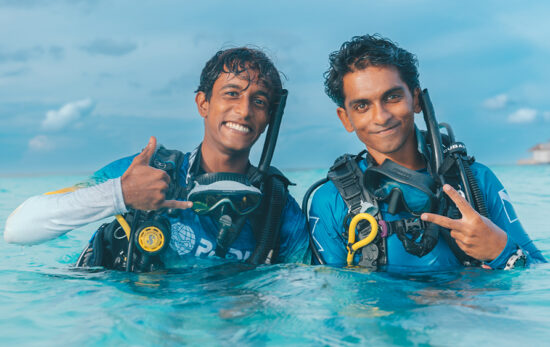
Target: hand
column 144, row 187
column 476, row 235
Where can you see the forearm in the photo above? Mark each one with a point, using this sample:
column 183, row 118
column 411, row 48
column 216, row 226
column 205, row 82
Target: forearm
column 46, row 217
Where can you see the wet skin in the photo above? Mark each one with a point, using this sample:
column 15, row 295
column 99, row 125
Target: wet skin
column 234, row 117
column 380, row 108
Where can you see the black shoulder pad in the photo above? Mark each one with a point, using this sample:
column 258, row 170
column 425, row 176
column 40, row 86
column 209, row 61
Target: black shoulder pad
column 274, row 172
column 341, row 160
column 256, row 177
column 169, row 160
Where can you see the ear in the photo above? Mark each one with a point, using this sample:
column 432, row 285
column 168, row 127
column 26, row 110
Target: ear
column 343, row 115
column 416, row 100
column 202, row 104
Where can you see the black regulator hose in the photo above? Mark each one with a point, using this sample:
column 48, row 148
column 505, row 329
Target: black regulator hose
column 479, row 201
column 130, row 253
column 471, row 187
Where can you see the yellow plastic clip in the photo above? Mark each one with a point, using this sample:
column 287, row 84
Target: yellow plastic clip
column 354, row 246
column 124, row 224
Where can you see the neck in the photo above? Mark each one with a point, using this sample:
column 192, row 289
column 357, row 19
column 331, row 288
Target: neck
column 214, row 161
column 407, row 156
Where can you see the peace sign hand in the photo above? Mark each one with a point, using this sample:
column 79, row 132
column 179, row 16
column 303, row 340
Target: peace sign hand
column 144, row 187
column 475, row 234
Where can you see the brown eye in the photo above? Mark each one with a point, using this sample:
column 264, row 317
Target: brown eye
column 393, row 98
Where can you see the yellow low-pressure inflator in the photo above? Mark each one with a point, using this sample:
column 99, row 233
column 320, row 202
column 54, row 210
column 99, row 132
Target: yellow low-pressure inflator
column 152, row 236
column 354, row 246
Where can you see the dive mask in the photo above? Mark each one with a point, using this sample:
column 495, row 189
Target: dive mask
column 390, row 183
column 213, row 190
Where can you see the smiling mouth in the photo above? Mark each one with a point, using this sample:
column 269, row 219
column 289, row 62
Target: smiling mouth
column 387, row 130
column 238, row 127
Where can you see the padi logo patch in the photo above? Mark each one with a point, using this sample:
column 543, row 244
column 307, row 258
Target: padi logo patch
column 183, row 238
column 507, row 206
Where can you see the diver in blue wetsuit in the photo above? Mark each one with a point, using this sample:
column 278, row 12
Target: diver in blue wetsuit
column 171, row 205
column 413, row 200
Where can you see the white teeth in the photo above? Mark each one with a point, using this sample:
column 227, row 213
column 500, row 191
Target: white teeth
column 237, row 127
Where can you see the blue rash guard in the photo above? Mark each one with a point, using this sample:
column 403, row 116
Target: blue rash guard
column 328, row 211
column 195, row 236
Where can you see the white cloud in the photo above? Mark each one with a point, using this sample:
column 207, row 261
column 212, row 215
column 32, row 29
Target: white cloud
column 523, row 115
column 41, row 143
column 70, row 112
column 497, row 102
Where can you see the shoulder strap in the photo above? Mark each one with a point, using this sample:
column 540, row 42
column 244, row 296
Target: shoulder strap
column 346, row 175
column 170, row 160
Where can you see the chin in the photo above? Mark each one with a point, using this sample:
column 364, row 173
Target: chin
column 238, row 148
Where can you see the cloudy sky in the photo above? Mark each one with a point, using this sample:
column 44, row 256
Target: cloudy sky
column 85, row 82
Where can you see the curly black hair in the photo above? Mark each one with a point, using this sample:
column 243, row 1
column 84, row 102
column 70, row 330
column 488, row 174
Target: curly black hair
column 237, row 61
column 363, row 51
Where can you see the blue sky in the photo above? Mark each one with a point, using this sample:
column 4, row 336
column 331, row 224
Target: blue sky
column 85, row 82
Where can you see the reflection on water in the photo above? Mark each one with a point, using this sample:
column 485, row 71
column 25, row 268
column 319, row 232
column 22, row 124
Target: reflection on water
column 43, row 300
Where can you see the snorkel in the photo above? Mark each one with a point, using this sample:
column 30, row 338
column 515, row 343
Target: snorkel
column 267, row 239
column 444, row 157
column 272, row 135
column 434, row 135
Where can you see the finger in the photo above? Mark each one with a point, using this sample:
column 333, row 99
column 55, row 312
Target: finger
column 145, row 156
column 165, row 177
column 440, row 220
column 463, row 205
column 463, row 246
column 458, row 236
column 182, row 205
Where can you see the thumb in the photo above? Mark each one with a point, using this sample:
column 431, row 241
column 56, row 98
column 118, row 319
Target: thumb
column 145, row 156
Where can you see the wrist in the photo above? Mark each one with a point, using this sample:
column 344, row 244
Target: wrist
column 516, row 260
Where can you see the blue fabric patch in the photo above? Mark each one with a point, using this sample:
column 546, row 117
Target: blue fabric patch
column 507, row 206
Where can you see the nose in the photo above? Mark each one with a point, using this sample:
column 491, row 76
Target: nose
column 242, row 106
column 381, row 115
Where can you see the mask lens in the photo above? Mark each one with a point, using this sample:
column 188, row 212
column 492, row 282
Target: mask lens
column 240, row 196
column 402, row 189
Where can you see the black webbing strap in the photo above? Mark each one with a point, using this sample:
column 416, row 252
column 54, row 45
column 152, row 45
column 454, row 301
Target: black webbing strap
column 345, row 174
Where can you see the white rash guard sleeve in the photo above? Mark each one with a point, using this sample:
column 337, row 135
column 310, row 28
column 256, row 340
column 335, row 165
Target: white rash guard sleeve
column 45, row 217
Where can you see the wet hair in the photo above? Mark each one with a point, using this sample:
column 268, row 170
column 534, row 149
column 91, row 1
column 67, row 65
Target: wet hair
column 238, row 61
column 363, row 51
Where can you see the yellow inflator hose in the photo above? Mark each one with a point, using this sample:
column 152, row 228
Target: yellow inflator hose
column 354, row 246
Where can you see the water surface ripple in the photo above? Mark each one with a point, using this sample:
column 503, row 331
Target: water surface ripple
column 44, row 301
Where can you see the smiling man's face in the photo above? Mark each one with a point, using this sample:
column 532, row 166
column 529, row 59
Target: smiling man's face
column 236, row 114
column 380, row 108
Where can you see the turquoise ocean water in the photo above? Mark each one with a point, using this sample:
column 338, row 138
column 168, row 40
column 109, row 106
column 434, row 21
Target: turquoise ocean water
column 44, row 302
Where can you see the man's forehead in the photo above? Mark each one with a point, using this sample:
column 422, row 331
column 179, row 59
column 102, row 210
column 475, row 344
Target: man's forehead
column 245, row 78
column 385, row 77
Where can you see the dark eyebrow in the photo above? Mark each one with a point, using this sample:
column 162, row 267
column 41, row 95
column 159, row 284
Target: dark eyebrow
column 357, row 101
column 232, row 86
column 240, row 88
column 262, row 93
column 393, row 90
